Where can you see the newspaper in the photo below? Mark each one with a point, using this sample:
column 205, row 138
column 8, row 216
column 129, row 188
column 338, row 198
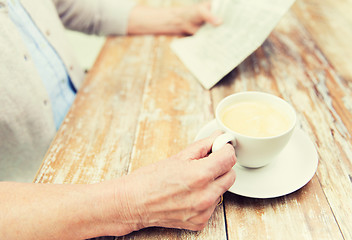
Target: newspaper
column 213, row 52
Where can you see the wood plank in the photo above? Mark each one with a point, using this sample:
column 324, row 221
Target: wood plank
column 330, row 24
column 291, row 66
column 95, row 141
column 174, row 107
column 296, row 216
column 139, row 104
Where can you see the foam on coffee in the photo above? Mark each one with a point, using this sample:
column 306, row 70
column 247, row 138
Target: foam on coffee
column 256, row 119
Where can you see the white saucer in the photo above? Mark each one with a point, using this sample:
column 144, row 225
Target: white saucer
column 292, row 169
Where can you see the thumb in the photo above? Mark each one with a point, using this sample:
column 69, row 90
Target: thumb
column 200, row 148
column 207, row 15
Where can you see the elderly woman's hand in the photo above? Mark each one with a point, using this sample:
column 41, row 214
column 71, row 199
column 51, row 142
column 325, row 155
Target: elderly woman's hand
column 192, row 18
column 170, row 20
column 179, row 192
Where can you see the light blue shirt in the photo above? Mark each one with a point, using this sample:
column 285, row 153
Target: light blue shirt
column 48, row 63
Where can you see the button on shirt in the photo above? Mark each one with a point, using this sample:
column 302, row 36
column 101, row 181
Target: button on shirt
column 48, row 63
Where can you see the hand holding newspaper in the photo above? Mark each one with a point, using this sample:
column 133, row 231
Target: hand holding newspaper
column 213, row 52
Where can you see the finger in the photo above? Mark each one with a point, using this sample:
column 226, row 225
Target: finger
column 220, row 162
column 207, row 15
column 204, row 216
column 191, row 29
column 224, row 182
column 200, row 148
column 181, row 225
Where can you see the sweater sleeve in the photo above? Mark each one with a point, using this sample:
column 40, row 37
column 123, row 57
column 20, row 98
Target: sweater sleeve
column 99, row 17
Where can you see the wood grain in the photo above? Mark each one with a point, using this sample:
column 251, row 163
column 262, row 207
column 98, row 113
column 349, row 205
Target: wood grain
column 100, row 148
column 173, row 108
column 139, row 104
column 288, row 65
column 330, row 25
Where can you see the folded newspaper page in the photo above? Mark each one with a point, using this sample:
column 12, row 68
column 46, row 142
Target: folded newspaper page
column 213, row 52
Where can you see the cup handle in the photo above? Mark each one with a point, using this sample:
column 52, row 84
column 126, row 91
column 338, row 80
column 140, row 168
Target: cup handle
column 221, row 140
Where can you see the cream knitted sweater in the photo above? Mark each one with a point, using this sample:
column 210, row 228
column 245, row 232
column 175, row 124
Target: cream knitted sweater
column 26, row 121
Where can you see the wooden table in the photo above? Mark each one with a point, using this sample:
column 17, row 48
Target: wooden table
column 139, row 104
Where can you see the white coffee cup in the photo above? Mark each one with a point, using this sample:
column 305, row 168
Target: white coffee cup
column 261, row 137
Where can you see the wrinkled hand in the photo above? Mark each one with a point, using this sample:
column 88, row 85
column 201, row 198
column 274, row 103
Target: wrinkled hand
column 181, row 191
column 194, row 17
column 170, row 20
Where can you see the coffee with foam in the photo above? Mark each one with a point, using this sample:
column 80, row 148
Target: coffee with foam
column 256, row 118
column 257, row 124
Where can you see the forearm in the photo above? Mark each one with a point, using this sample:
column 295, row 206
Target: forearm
column 48, row 211
column 158, row 20
column 170, row 20
column 179, row 192
column 100, row 17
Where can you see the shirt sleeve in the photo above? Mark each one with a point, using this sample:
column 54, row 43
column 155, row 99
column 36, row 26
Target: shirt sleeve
column 99, row 17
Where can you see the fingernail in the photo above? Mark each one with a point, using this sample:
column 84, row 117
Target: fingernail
column 217, row 21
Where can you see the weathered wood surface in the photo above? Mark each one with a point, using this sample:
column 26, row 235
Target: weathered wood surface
column 139, row 104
